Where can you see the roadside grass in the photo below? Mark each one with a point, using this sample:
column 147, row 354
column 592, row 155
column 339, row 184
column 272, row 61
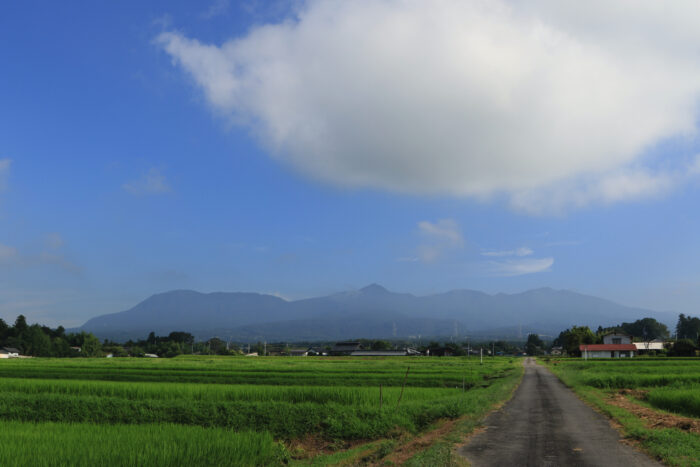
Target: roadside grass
column 595, row 381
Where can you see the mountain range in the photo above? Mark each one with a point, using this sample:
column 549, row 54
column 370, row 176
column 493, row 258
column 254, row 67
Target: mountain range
column 371, row 312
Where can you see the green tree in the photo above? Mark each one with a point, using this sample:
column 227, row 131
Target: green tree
column 683, row 348
column 36, row 342
column 646, row 328
column 91, row 345
column 572, row 338
column 4, row 330
column 20, row 325
column 688, row 327
column 381, row 345
column 534, row 345
column 217, row 346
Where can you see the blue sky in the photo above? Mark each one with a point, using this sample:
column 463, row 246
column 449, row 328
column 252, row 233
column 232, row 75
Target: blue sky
column 305, row 148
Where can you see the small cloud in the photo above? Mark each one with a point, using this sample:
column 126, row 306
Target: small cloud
column 4, row 172
column 407, row 259
column 522, row 251
column 11, row 257
column 445, row 230
column 7, row 254
column 519, row 267
column 54, row 240
column 217, row 8
column 279, row 295
column 59, row 261
column 440, row 237
column 152, row 183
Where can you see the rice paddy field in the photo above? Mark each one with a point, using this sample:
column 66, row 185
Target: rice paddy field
column 235, row 410
column 657, row 401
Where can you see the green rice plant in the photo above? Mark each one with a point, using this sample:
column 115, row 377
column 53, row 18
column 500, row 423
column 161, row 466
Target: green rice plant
column 682, row 400
column 66, row 444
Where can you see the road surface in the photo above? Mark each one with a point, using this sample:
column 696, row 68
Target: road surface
column 545, row 424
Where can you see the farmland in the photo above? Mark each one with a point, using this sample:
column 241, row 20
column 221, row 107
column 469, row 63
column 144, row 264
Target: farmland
column 234, row 410
column 656, row 401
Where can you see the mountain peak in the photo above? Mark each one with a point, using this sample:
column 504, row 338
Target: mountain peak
column 374, row 289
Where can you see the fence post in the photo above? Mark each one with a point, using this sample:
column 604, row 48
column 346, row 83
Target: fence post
column 402, row 387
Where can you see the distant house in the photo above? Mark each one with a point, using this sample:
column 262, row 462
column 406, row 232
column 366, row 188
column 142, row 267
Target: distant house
column 251, row 354
column 379, row 353
column 298, row 352
column 9, row 352
column 315, row 351
column 77, row 349
column 557, row 351
column 656, row 344
column 345, row 348
column 150, row 355
column 615, row 345
column 441, row 352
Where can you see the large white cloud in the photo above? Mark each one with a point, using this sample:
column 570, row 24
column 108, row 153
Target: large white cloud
column 474, row 98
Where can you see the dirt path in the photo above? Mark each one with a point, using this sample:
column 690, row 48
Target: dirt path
column 545, row 424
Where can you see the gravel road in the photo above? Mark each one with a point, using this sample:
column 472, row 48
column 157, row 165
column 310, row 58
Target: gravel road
column 545, row 424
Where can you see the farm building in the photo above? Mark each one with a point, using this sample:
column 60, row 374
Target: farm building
column 557, row 350
column 384, row 353
column 298, row 352
column 9, row 352
column 656, row 344
column 345, row 348
column 607, row 350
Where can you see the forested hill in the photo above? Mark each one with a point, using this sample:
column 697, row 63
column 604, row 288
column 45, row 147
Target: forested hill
column 371, row 312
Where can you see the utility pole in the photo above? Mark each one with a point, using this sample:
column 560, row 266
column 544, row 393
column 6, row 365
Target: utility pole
column 481, row 354
column 265, row 349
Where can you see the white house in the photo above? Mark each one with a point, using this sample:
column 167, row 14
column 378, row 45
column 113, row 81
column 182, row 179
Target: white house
column 616, row 345
column 9, row 352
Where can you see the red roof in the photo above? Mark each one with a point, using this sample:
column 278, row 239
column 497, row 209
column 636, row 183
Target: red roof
column 595, row 347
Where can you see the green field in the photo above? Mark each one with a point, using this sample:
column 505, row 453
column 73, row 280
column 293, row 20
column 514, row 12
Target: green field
column 669, row 385
column 231, row 410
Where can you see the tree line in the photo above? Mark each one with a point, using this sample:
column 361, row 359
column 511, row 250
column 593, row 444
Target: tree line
column 41, row 341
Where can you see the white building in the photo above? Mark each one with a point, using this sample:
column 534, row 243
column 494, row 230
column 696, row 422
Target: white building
column 9, row 352
column 614, row 345
column 651, row 345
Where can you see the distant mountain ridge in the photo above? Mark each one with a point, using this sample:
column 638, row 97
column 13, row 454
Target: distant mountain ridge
column 371, row 312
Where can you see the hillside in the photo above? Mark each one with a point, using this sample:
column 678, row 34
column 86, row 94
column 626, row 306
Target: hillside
column 372, row 312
